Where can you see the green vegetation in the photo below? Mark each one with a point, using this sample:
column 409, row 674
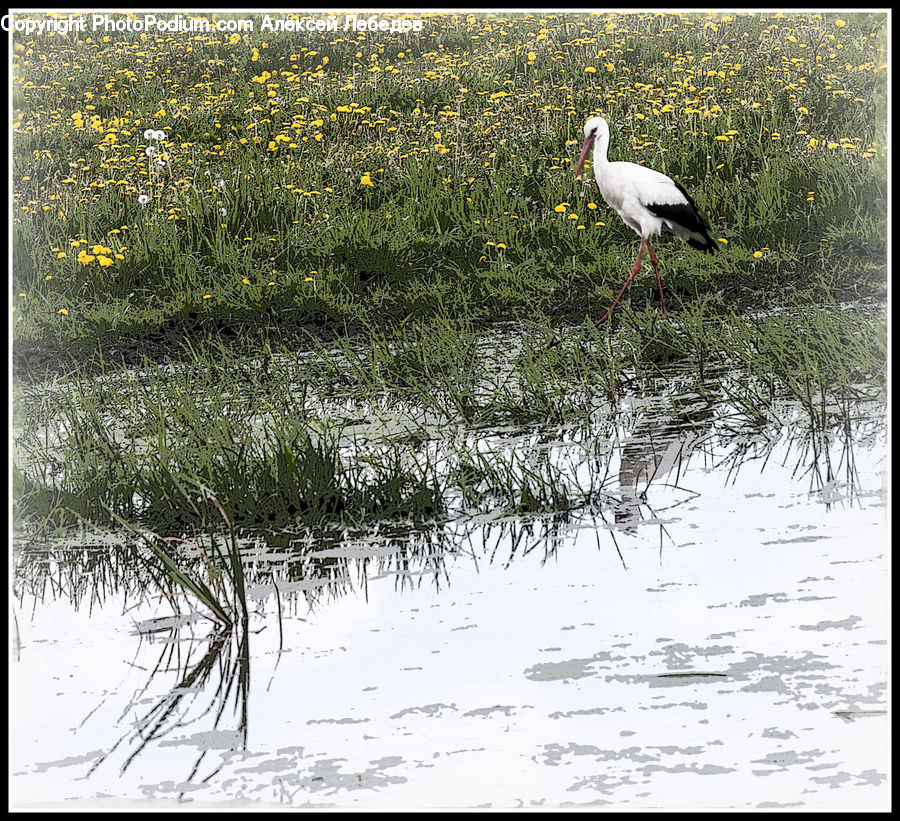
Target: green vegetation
column 362, row 178
column 402, row 427
column 352, row 275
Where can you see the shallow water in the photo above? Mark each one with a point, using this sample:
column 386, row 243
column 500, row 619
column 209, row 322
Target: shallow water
column 715, row 636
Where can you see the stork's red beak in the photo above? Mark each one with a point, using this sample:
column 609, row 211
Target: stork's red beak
column 588, row 143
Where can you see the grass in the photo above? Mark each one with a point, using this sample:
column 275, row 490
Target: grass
column 350, row 435
column 279, row 282
column 258, row 220
column 520, row 427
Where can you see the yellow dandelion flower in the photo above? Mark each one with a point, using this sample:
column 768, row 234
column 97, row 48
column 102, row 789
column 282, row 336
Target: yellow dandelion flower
column 501, row 245
column 757, row 254
column 366, row 180
column 63, row 311
column 104, row 261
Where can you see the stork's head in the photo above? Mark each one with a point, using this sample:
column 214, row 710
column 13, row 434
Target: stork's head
column 594, row 129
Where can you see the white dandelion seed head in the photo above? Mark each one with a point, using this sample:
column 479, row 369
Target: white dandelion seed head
column 150, row 150
column 148, row 133
column 143, row 199
column 159, row 135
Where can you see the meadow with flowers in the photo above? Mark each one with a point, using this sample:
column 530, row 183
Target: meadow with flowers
column 183, row 183
column 199, row 197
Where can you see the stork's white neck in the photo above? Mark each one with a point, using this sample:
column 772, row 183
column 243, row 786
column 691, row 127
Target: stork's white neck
column 601, row 146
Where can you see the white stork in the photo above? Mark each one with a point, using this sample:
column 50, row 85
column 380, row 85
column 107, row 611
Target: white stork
column 648, row 201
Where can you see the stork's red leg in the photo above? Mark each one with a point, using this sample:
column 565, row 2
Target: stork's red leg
column 658, row 280
column 637, row 267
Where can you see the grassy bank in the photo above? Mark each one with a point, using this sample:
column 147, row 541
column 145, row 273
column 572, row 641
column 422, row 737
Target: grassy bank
column 437, row 421
column 352, row 272
column 257, row 186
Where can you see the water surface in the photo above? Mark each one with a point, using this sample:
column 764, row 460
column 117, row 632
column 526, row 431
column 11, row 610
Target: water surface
column 711, row 633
